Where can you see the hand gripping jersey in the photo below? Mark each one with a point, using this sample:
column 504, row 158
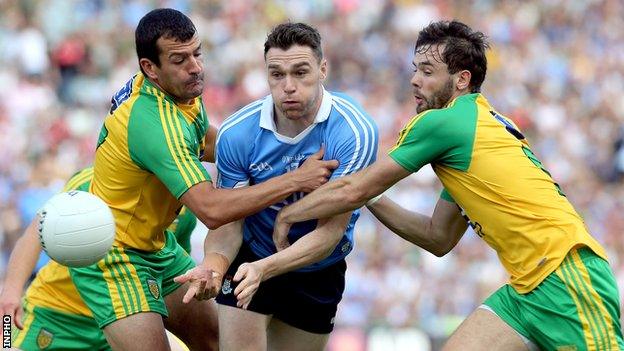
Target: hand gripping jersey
column 148, row 156
column 487, row 167
column 250, row 151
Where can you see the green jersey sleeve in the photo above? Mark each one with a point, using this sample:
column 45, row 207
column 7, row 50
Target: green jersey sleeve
column 444, row 137
column 162, row 143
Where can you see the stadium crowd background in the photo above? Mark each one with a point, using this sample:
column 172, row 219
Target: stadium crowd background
column 556, row 68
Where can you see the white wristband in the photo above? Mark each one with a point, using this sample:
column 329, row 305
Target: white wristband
column 373, row 200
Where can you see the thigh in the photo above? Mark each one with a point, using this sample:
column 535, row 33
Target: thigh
column 123, row 283
column 577, row 305
column 48, row 329
column 484, row 330
column 241, row 330
column 266, row 297
column 195, row 323
column 178, row 262
column 309, row 300
column 283, row 337
column 139, row 332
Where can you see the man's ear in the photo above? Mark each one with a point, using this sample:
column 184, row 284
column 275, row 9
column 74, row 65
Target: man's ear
column 149, row 68
column 463, row 80
column 323, row 69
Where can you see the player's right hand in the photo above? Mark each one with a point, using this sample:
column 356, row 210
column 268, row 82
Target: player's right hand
column 314, row 172
column 205, row 283
column 11, row 304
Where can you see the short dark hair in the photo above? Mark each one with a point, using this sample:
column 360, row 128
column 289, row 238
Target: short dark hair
column 287, row 34
column 167, row 23
column 464, row 48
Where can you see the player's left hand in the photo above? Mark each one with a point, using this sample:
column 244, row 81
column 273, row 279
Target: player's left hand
column 249, row 275
column 205, row 283
column 280, row 234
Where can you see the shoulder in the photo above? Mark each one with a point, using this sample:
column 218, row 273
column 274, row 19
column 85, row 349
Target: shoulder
column 245, row 122
column 349, row 116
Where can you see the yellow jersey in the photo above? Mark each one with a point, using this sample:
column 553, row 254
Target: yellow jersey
column 508, row 197
column 148, row 155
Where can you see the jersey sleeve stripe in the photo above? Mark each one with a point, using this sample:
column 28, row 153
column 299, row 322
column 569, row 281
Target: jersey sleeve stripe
column 367, row 129
column 186, row 156
column 178, row 141
column 357, row 139
column 405, row 132
column 235, row 120
column 79, row 179
column 168, row 139
column 243, row 111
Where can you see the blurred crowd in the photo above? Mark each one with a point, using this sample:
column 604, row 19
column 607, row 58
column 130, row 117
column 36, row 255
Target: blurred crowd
column 556, row 68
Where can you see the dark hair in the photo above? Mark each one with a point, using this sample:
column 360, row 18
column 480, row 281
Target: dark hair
column 167, row 23
column 464, row 48
column 285, row 35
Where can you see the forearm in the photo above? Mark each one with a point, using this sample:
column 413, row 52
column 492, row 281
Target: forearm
column 23, row 260
column 216, row 207
column 225, row 241
column 336, row 197
column 311, row 248
column 437, row 234
column 411, row 226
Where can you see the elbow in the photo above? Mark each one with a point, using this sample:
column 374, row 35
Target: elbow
column 441, row 247
column 440, row 252
column 212, row 218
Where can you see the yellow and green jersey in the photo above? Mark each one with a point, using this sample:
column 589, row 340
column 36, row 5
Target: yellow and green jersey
column 508, row 197
column 148, row 156
column 53, row 287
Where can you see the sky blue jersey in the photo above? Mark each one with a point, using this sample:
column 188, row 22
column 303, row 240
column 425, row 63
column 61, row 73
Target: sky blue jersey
column 250, row 151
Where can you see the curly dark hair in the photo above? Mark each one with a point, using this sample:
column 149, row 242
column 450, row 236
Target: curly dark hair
column 464, row 48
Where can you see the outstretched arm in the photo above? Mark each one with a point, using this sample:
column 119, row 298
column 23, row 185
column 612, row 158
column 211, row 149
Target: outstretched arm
column 220, row 249
column 310, row 248
column 215, row 207
column 339, row 196
column 21, row 265
column 437, row 234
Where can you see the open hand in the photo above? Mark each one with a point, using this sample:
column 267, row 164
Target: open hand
column 250, row 276
column 205, row 283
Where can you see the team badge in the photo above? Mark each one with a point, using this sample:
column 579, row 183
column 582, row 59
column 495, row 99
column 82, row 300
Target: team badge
column 153, row 288
column 44, row 339
column 227, row 286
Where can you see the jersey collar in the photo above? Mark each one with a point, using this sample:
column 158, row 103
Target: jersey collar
column 266, row 113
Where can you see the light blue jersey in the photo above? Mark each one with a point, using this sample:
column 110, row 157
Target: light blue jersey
column 250, row 151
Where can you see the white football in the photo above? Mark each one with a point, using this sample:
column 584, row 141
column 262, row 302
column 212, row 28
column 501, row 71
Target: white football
column 76, row 228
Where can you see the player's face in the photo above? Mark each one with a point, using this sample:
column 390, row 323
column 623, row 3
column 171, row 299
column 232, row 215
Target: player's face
column 295, row 77
column 433, row 85
column 181, row 71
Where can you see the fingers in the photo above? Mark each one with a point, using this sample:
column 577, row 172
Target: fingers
column 330, row 164
column 18, row 318
column 190, row 293
column 319, row 154
column 181, row 279
column 244, row 297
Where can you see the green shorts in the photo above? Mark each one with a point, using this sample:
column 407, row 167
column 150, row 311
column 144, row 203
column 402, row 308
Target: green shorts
column 49, row 329
column 576, row 307
column 129, row 281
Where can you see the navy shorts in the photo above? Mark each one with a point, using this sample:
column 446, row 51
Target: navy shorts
column 304, row 300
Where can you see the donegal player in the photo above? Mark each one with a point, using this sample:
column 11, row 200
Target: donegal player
column 562, row 293
column 55, row 316
column 147, row 165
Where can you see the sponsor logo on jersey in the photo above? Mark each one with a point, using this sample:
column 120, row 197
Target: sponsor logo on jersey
column 261, row 166
column 153, row 288
column 44, row 339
